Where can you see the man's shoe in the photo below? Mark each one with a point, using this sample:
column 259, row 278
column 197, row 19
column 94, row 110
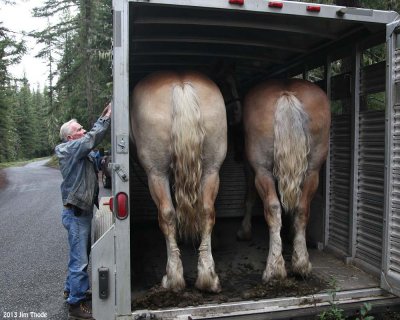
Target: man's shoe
column 88, row 294
column 80, row 311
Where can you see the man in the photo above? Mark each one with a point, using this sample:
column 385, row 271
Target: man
column 79, row 191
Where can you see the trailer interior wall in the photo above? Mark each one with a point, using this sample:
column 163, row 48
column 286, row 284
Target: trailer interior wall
column 355, row 214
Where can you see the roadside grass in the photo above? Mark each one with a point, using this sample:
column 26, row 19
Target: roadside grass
column 20, row 163
column 53, row 162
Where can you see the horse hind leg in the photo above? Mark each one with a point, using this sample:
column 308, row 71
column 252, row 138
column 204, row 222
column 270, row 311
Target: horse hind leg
column 300, row 258
column 275, row 268
column 159, row 188
column 207, row 278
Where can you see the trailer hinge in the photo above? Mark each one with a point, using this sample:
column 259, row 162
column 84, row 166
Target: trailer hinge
column 103, row 283
column 119, row 171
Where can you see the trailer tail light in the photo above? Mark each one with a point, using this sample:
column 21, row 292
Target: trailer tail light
column 314, row 8
column 239, row 2
column 121, row 205
column 275, row 4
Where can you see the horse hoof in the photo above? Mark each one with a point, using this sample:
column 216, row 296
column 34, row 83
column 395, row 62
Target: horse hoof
column 302, row 268
column 276, row 275
column 208, row 285
column 243, row 235
column 275, row 271
column 175, row 285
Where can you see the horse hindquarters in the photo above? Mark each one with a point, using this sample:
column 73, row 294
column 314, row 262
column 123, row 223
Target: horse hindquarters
column 290, row 146
column 291, row 151
column 173, row 121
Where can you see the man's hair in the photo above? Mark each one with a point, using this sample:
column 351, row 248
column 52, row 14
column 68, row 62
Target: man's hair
column 65, row 130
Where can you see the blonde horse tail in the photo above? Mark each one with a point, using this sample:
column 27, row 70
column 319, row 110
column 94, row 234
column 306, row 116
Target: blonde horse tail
column 187, row 144
column 291, row 148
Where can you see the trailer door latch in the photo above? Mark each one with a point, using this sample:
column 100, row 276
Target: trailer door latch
column 103, row 283
column 119, row 170
column 122, row 143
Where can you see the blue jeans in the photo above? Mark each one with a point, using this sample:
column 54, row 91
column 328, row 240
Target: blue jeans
column 79, row 229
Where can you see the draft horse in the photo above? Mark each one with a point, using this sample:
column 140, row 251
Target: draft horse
column 286, row 124
column 178, row 125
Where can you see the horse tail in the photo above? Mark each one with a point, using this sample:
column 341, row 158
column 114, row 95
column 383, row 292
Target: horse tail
column 291, row 148
column 187, row 145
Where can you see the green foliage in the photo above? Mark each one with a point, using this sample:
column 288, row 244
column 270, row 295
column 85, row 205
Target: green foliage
column 335, row 313
column 366, row 307
column 83, row 44
column 10, row 53
column 20, row 136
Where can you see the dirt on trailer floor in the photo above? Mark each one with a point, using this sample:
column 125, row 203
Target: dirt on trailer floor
column 239, row 265
column 158, row 297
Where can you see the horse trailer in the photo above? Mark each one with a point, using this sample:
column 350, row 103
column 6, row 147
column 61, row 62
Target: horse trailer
column 353, row 235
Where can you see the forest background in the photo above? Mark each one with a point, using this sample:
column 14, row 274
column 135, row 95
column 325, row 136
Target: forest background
column 77, row 52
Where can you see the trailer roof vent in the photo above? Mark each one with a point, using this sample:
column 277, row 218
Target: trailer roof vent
column 314, row 8
column 239, row 2
column 121, row 205
column 275, row 4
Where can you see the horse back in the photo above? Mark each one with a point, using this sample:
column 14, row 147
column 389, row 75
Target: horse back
column 151, row 98
column 260, row 102
column 151, row 114
column 259, row 118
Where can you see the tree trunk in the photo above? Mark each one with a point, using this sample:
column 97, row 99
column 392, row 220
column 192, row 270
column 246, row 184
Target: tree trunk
column 86, row 31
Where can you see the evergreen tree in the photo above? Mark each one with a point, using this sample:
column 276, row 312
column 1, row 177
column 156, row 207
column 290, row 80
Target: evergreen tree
column 24, row 120
column 83, row 40
column 10, row 53
column 41, row 140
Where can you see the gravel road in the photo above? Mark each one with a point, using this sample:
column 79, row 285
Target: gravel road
column 33, row 244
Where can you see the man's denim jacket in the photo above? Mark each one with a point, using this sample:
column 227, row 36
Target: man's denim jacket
column 80, row 186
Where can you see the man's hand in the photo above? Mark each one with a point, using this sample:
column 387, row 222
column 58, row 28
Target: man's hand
column 107, row 111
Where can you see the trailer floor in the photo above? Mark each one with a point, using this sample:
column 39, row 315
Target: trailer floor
column 238, row 264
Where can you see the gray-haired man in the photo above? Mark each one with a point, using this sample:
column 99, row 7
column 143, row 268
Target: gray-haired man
column 79, row 191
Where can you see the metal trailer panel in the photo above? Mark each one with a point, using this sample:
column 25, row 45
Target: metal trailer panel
column 120, row 271
column 278, row 308
column 340, row 180
column 369, row 186
column 356, row 226
column 390, row 277
column 355, row 155
column 289, row 8
column 370, row 193
column 103, row 253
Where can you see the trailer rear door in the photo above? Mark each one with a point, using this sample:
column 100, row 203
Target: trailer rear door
column 390, row 279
